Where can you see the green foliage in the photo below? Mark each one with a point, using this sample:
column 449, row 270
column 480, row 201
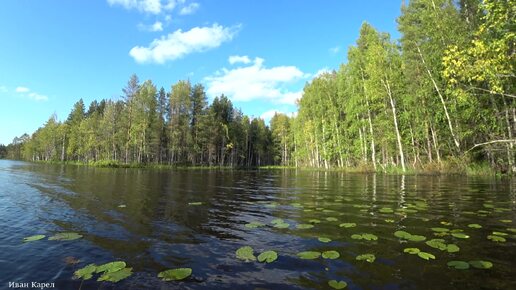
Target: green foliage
column 366, row 257
column 33, row 238
column 246, row 254
column 267, row 257
column 309, row 255
column 337, row 284
column 86, row 272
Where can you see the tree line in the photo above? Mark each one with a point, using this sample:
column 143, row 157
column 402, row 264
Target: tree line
column 443, row 94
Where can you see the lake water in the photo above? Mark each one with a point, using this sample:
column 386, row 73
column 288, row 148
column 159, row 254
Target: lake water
column 158, row 229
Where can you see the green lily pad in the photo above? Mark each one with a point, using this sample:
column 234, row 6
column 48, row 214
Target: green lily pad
column 175, row 274
column 479, row 264
column 348, row 225
column 110, row 267
column 452, row 248
column 33, row 238
column 500, row 234
column 254, row 225
column 506, row 221
column 402, row 234
column 304, row 226
column 268, row 257
column 324, row 240
column 440, row 230
column 475, row 226
column 67, row 236
column 366, row 257
column 416, row 238
column 281, row 225
column 195, row 203
column 296, row 204
column 122, row 206
column 389, row 220
column 459, row 265
column 86, row 272
column 309, row 255
column 386, row 210
column 497, row 239
column 426, row 256
column 332, row 219
column 337, row 284
column 277, row 221
column 314, row 221
column 364, row 236
column 330, row 255
column 460, row 235
column 116, row 276
column 512, row 230
column 445, row 223
column 412, row 251
column 246, row 254
column 409, row 236
column 437, row 243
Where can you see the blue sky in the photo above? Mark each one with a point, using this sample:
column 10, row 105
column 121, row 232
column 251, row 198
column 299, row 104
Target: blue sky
column 259, row 53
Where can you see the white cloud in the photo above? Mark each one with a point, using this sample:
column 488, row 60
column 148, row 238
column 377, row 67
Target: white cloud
column 189, row 9
column 322, row 71
column 22, row 90
column 178, row 44
column 255, row 81
column 157, row 26
column 238, row 58
column 335, row 49
column 37, row 97
column 148, row 6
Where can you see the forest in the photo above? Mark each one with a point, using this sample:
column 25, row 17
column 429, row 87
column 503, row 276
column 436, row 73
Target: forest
column 442, row 97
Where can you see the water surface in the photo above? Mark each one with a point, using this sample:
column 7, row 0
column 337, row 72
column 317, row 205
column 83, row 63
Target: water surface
column 158, row 229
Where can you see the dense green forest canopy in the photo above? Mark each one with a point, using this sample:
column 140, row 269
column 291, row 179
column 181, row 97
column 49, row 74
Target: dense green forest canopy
column 442, row 95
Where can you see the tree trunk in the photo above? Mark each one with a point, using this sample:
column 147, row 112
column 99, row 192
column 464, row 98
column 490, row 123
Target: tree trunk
column 398, row 136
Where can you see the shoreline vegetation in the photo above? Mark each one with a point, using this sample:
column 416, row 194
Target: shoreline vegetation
column 441, row 99
column 455, row 168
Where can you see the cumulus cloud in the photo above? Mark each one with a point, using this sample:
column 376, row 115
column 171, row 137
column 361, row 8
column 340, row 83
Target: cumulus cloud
column 178, row 44
column 255, row 81
column 335, row 49
column 22, row 90
column 238, row 58
column 37, row 97
column 189, row 9
column 157, row 26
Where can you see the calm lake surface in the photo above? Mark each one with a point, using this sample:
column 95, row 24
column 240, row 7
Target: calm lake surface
column 158, row 229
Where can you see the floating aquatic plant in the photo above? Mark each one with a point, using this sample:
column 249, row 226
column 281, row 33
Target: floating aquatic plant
column 33, row 238
column 175, row 274
column 426, row 256
column 479, row 264
column 304, row 226
column 324, row 240
column 67, row 236
column 254, row 225
column 110, row 267
column 246, row 254
column 496, row 238
column 440, row 230
column 366, row 257
column 337, row 284
column 408, row 236
column 348, row 225
column 459, row 265
column 332, row 219
column 267, row 257
column 330, row 255
column 412, row 251
column 475, row 226
column 116, row 276
column 365, row 236
column 195, row 203
column 86, row 272
column 460, row 235
column 314, row 221
column 309, row 255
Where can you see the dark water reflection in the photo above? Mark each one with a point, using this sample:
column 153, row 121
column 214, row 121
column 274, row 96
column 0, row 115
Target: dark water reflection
column 158, row 230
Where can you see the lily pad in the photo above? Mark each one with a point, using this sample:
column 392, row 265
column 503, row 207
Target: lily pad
column 496, row 238
column 33, row 238
column 175, row 274
column 111, row 267
column 409, row 236
column 245, row 253
column 67, row 236
column 304, row 226
column 281, row 225
column 348, row 225
column 314, row 221
column 460, row 235
column 195, row 203
column 440, row 230
column 337, row 284
column 366, row 257
column 437, row 243
column 412, row 251
column 452, row 248
column 330, row 255
column 426, row 256
column 475, row 226
column 122, row 206
column 386, row 210
column 364, row 236
column 389, row 220
column 500, row 234
column 332, row 219
column 116, row 276
column 277, row 221
column 86, row 272
column 506, row 221
column 459, row 265
column 254, row 225
column 309, row 255
column 479, row 264
column 268, row 257
column 324, row 240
